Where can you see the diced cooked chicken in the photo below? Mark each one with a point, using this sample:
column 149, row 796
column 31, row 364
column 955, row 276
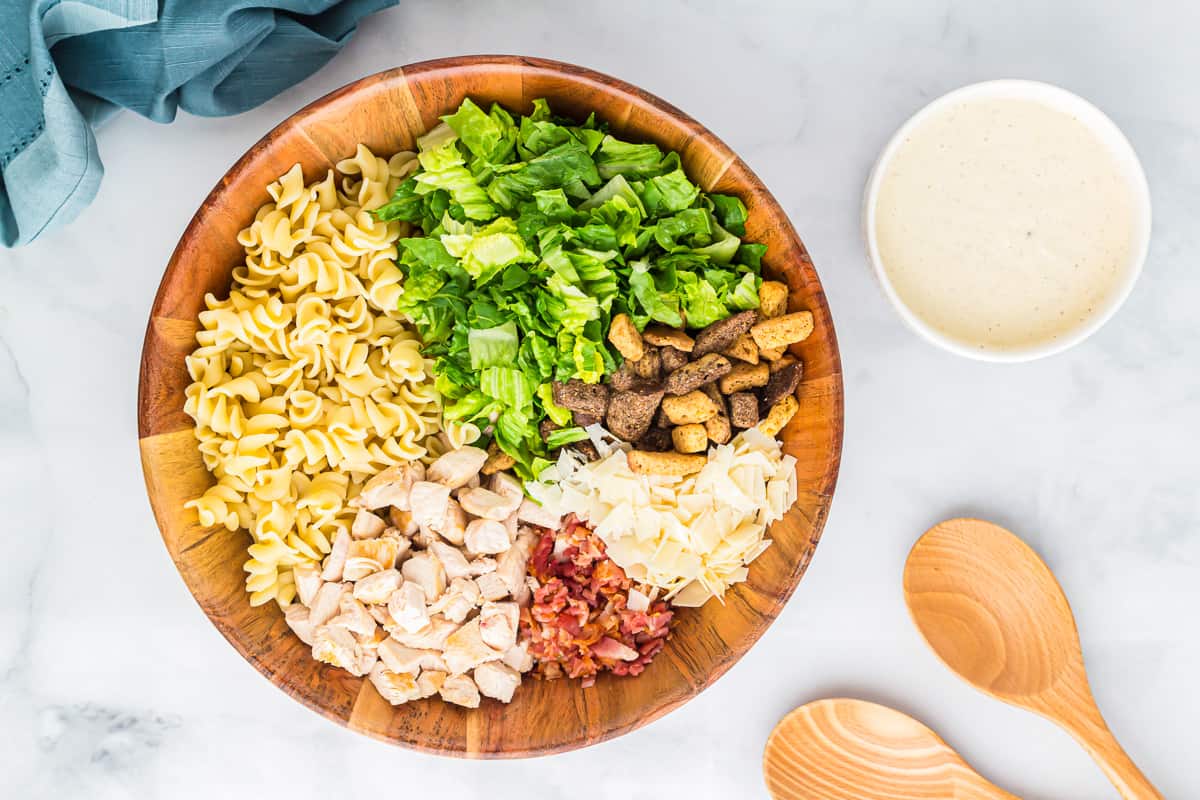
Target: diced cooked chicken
column 518, row 657
column 326, row 604
column 486, row 536
column 498, row 624
column 466, row 649
column 333, row 644
column 430, row 681
column 506, row 485
column 430, row 503
column 395, row 687
column 308, row 580
column 336, row 560
column 458, row 601
column 431, row 638
column 460, row 690
column 353, row 616
column 402, row 521
column 454, row 525
column 487, row 504
column 453, row 561
column 511, row 566
column 482, row 565
column 390, row 487
column 370, row 644
column 426, row 571
column 407, row 607
column 457, row 467
column 403, row 543
column 512, row 526
column 368, row 556
column 297, row 618
column 534, row 514
column 377, row 588
column 399, row 658
column 497, row 680
column 491, row 586
column 380, row 614
column 367, row 525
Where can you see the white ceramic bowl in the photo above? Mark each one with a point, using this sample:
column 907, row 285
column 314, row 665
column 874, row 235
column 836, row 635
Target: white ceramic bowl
column 1108, row 133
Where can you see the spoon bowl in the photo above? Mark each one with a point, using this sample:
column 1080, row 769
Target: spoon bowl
column 993, row 612
column 838, row 748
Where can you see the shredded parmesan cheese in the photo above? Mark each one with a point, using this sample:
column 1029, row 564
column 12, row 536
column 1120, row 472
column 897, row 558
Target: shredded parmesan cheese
column 692, row 537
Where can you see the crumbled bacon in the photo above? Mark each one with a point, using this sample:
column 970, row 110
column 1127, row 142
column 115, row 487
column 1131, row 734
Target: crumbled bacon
column 578, row 624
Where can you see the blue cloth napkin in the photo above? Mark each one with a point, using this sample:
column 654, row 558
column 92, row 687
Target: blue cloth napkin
column 67, row 65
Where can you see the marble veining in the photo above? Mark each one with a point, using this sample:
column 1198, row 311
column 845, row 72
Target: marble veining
column 113, row 684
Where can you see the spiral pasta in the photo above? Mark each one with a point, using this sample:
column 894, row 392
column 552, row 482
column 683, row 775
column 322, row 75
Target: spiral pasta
column 305, row 380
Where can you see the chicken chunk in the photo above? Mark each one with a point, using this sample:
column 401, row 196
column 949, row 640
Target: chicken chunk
column 518, row 657
column 336, row 560
column 498, row 624
column 333, row 644
column 491, row 586
column 377, row 588
column 353, row 616
column 430, row 681
column 486, row 536
column 367, row 525
column 390, row 487
column 487, row 504
column 407, row 607
column 497, row 681
column 460, row 690
column 453, row 561
column 457, row 467
column 511, row 566
column 402, row 521
column 458, row 601
column 454, row 526
column 432, row 637
column 368, row 556
column 426, row 571
column 466, row 649
column 395, row 687
column 399, row 658
column 534, row 514
column 430, row 504
column 297, row 618
column 482, row 565
column 326, row 603
column 308, row 580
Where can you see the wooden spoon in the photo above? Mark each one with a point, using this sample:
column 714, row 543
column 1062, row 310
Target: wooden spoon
column 993, row 612
column 838, row 749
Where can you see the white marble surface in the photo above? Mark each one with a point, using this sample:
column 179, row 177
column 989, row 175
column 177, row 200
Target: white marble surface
column 114, row 685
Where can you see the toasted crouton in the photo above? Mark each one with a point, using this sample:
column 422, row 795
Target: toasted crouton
column 625, row 337
column 784, row 360
column 780, row 414
column 772, row 299
column 782, row 331
column 744, row 377
column 743, row 349
column 677, row 464
column 695, row 406
column 772, row 354
column 662, row 336
column 497, row 460
column 718, row 429
column 691, row 438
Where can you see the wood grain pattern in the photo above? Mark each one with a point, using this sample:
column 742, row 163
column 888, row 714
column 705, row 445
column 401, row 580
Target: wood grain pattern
column 839, row 748
column 993, row 612
column 387, row 112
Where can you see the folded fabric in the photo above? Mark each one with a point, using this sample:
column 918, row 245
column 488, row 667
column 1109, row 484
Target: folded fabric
column 67, row 65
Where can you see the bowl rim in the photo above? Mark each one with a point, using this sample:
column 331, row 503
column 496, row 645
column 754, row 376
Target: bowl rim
column 1098, row 123
column 619, row 88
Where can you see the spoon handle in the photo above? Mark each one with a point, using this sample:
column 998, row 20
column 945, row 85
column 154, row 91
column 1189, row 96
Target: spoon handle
column 1082, row 720
column 973, row 786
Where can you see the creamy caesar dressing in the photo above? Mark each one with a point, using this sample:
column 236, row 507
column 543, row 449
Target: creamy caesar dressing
column 1004, row 223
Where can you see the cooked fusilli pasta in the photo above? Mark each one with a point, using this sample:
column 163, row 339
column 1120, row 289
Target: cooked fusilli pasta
column 305, row 379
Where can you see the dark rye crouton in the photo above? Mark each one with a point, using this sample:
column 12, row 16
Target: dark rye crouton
column 583, row 420
column 721, row 335
column 743, row 410
column 547, row 427
column 623, row 379
column 691, row 376
column 649, row 366
column 656, row 440
column 586, row 398
column 672, row 359
column 631, row 412
column 782, row 383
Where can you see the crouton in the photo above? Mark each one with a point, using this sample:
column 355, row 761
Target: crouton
column 656, row 440
column 782, row 331
column 672, row 359
column 692, row 407
column 721, row 334
column 784, row 360
column 705, row 369
column 497, row 460
column 717, row 428
column 743, row 410
column 772, row 299
column 744, row 377
column 691, row 438
column 783, row 383
column 743, row 349
column 625, row 337
column 648, row 366
column 589, row 398
column 772, row 354
column 677, row 464
column 631, row 413
column 662, row 336
column 780, row 414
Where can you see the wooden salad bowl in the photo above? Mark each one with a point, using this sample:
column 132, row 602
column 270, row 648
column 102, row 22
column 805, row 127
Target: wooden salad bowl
column 387, row 112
